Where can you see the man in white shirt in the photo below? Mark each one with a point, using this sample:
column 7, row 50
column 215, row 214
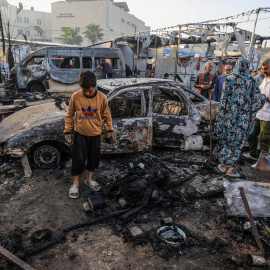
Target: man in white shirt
column 262, row 121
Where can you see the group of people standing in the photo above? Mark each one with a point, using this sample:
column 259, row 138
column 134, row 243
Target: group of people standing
column 243, row 114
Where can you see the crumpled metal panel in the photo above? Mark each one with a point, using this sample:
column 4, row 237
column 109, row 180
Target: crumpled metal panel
column 172, row 129
column 258, row 196
column 204, row 110
column 131, row 135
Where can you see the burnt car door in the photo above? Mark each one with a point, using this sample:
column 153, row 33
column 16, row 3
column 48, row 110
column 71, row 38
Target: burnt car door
column 32, row 68
column 132, row 121
column 174, row 116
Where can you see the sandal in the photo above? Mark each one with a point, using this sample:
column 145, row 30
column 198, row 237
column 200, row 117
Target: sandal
column 93, row 185
column 220, row 168
column 233, row 173
column 73, row 192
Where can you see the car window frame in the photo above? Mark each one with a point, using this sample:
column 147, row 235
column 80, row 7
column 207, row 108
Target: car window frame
column 143, row 88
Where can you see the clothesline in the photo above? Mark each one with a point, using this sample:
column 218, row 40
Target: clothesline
column 205, row 23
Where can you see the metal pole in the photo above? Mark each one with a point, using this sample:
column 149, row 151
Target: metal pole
column 176, row 54
column 252, row 42
column 133, row 55
column 138, row 43
column 251, row 220
column 210, row 126
column 259, row 48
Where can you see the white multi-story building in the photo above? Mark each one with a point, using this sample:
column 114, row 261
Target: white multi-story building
column 35, row 25
column 113, row 17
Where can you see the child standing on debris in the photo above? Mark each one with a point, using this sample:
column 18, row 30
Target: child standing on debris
column 89, row 106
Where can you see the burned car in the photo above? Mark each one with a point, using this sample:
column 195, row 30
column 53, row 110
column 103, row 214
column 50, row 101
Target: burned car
column 56, row 69
column 145, row 112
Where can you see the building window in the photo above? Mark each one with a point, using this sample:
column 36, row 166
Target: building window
column 38, row 21
column 63, row 29
column 128, row 23
column 26, row 20
column 133, row 25
column 39, row 34
column 19, row 19
column 77, row 29
column 27, row 33
column 19, row 31
column 111, row 30
column 123, row 20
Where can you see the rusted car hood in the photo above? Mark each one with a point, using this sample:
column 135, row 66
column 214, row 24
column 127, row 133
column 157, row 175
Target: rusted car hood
column 29, row 118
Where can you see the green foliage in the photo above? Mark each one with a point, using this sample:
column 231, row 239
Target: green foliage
column 71, row 36
column 93, row 33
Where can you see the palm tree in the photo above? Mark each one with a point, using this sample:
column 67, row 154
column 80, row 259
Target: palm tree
column 71, row 36
column 93, row 33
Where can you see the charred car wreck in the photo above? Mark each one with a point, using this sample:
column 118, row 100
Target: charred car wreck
column 57, row 69
column 145, row 112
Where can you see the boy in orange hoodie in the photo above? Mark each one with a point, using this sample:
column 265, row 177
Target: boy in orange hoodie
column 89, row 107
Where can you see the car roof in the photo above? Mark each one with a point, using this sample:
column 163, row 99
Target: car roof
column 112, row 84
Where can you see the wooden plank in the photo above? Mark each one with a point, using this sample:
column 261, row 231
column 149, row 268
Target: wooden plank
column 14, row 259
column 26, row 166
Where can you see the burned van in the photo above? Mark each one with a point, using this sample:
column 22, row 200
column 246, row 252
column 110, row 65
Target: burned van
column 57, row 69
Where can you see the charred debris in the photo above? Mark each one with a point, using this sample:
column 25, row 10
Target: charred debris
column 147, row 199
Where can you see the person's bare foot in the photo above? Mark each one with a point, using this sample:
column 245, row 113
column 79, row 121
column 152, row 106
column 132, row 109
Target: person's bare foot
column 231, row 170
column 225, row 169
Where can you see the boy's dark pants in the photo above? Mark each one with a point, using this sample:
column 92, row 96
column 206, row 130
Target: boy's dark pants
column 261, row 128
column 85, row 147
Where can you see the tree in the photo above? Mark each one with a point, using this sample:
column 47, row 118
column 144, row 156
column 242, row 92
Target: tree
column 71, row 36
column 93, row 33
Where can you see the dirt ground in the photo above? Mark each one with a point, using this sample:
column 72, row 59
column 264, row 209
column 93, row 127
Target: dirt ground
column 197, row 206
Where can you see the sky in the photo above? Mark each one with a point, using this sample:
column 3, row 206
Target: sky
column 164, row 13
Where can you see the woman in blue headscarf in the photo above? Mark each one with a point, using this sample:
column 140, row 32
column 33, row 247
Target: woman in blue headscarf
column 240, row 101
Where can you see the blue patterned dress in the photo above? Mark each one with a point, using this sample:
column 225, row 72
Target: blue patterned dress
column 240, row 101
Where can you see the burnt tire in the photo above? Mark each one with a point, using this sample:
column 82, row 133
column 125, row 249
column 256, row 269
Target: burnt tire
column 46, row 157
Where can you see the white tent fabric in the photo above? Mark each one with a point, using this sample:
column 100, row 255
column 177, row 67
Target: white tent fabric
column 240, row 42
column 223, row 42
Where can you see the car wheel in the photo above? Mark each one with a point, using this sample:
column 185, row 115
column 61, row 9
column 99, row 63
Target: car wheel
column 46, row 156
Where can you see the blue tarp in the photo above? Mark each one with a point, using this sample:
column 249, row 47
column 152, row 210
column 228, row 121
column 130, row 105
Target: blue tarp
column 166, row 51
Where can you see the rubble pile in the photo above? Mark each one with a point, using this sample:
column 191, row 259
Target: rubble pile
column 27, row 96
column 169, row 200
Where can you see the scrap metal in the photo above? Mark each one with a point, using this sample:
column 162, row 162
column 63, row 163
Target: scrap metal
column 145, row 112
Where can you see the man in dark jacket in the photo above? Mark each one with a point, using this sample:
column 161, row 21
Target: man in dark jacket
column 107, row 69
column 219, row 83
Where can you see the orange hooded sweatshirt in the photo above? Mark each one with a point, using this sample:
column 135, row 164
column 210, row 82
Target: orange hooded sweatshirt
column 88, row 113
